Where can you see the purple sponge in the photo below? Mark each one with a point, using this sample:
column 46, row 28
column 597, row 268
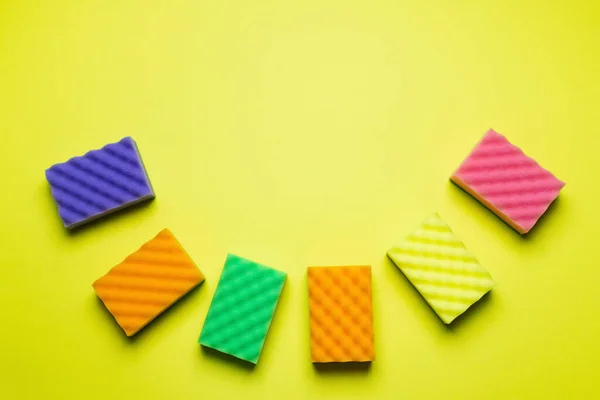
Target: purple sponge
column 99, row 183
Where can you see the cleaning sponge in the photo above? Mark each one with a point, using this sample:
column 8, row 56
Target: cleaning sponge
column 505, row 180
column 439, row 266
column 148, row 282
column 242, row 308
column 341, row 314
column 99, row 183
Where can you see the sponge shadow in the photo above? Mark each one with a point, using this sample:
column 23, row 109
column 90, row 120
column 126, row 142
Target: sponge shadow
column 225, row 358
column 343, row 368
column 557, row 204
column 470, row 312
column 107, row 218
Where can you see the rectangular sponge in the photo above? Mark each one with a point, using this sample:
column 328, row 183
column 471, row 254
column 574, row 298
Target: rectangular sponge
column 242, row 308
column 439, row 266
column 341, row 314
column 148, row 282
column 512, row 185
column 99, row 183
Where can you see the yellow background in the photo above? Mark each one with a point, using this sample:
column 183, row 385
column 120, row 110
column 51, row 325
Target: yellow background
column 295, row 133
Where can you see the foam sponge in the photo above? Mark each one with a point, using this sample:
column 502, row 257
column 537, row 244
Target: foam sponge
column 341, row 314
column 242, row 308
column 99, row 183
column 148, row 282
column 439, row 266
column 505, row 180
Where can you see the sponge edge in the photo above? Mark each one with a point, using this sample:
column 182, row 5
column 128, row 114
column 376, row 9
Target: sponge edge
column 482, row 200
column 99, row 183
column 341, row 314
column 509, row 183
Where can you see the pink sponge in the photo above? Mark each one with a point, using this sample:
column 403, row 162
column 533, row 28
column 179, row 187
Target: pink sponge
column 505, row 180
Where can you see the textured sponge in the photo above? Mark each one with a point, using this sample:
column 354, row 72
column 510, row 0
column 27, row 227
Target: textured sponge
column 437, row 263
column 148, row 282
column 505, row 180
column 99, row 183
column 242, row 308
column 341, row 314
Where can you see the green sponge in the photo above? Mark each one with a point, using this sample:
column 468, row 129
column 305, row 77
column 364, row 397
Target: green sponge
column 242, row 308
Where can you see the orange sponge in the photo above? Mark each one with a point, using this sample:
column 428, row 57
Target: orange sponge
column 148, row 282
column 341, row 314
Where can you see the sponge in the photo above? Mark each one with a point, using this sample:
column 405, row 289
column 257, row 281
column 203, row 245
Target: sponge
column 148, row 282
column 242, row 308
column 439, row 266
column 341, row 314
column 512, row 185
column 99, row 183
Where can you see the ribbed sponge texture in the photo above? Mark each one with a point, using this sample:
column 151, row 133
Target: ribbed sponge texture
column 242, row 308
column 341, row 314
column 148, row 282
column 509, row 183
column 439, row 266
column 100, row 182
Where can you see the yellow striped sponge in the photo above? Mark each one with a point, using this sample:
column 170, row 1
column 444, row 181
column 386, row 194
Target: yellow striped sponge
column 439, row 266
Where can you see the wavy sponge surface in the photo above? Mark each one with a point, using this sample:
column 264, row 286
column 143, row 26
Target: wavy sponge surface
column 242, row 308
column 439, row 266
column 148, row 282
column 512, row 185
column 341, row 314
column 99, row 183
